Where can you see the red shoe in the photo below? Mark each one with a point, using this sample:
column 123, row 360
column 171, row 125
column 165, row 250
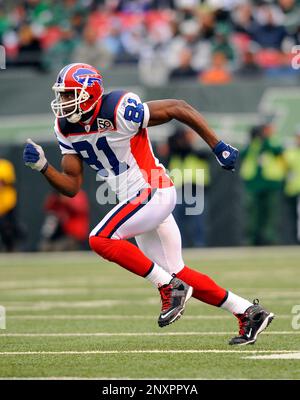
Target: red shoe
column 173, row 297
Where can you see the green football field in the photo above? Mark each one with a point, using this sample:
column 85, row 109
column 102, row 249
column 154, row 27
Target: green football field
column 75, row 316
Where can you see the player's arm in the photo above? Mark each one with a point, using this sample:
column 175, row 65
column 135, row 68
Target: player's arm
column 162, row 111
column 68, row 181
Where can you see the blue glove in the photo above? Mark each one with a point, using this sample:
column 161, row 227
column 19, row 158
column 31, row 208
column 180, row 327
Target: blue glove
column 34, row 156
column 226, row 155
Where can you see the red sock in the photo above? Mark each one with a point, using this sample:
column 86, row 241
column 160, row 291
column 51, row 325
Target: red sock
column 123, row 253
column 205, row 289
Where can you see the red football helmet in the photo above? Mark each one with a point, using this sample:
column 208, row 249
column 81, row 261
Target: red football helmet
column 86, row 82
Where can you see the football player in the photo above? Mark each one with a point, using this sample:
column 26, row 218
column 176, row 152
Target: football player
column 109, row 133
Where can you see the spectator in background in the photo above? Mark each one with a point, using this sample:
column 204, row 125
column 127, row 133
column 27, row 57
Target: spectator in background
column 242, row 17
column 249, row 67
column 292, row 185
column 291, row 11
column 263, row 171
column 10, row 231
column 61, row 53
column 92, row 50
column 218, row 73
column 185, row 69
column 68, row 11
column 266, row 31
column 112, row 41
column 184, row 161
column 30, row 52
column 132, row 5
column 4, row 23
column 66, row 225
column 154, row 69
column 127, row 28
column 221, row 42
column 188, row 37
column 132, row 41
column 207, row 21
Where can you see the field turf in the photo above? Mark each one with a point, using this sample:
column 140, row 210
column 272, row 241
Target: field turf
column 73, row 315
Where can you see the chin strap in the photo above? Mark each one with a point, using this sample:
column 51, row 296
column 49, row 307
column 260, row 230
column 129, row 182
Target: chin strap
column 74, row 118
column 77, row 116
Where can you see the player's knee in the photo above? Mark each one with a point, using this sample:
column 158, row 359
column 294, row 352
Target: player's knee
column 102, row 246
column 97, row 244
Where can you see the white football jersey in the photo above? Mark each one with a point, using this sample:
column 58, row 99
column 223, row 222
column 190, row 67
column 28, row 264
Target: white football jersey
column 115, row 143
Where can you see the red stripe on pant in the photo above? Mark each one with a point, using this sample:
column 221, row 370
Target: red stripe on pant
column 129, row 208
column 205, row 289
column 124, row 253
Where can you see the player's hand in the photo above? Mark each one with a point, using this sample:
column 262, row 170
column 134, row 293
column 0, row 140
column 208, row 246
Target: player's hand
column 226, row 155
column 34, row 156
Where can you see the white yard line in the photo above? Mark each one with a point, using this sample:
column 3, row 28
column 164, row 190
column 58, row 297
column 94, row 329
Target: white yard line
column 109, row 334
column 290, row 356
column 27, row 284
column 151, row 301
column 76, row 283
column 154, row 351
column 110, row 317
column 48, row 291
column 125, row 317
column 49, row 305
column 71, row 304
column 12, row 305
column 61, row 289
column 87, row 289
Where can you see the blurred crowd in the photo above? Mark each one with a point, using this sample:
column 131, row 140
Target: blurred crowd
column 212, row 41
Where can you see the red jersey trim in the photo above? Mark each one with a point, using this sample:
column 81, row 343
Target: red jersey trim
column 153, row 174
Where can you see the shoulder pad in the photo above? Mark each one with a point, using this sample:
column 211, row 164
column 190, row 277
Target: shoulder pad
column 109, row 105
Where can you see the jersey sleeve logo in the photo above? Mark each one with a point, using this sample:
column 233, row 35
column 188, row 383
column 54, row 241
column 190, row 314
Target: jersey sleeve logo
column 134, row 111
column 104, row 125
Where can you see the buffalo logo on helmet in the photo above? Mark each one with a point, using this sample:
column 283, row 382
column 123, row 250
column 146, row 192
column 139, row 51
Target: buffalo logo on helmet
column 80, row 76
